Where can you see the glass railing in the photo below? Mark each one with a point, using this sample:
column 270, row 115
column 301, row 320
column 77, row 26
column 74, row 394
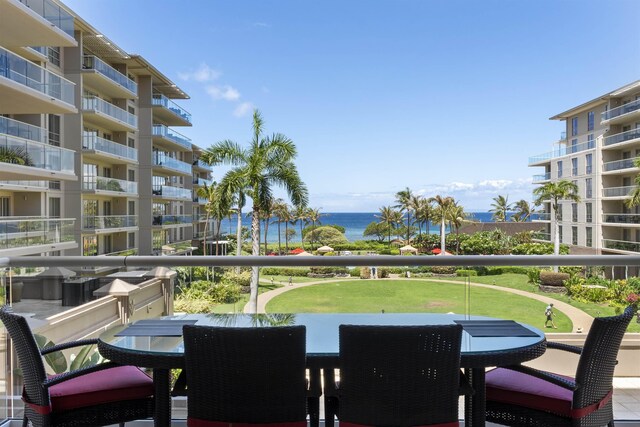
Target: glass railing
column 541, row 236
column 618, row 191
column 618, row 164
column 173, row 192
column 27, row 73
column 171, row 219
column 621, row 218
column 42, row 50
column 622, row 137
column 171, row 163
column 621, row 110
column 202, row 182
column 201, row 234
column 201, row 200
column 94, row 63
column 562, row 151
column 542, row 177
column 20, row 232
column 176, row 247
column 541, row 216
column 38, row 155
column 163, row 101
column 23, row 130
column 53, row 13
column 102, row 222
column 563, row 136
column 91, row 103
column 170, row 134
column 30, row 184
column 621, row 245
column 94, row 142
column 199, row 163
column 125, row 252
column 109, row 184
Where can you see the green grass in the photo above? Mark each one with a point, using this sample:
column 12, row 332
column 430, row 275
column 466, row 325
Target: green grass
column 238, row 306
column 508, row 280
column 412, row 296
column 294, row 279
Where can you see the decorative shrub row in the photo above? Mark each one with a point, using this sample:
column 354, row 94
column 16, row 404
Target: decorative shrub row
column 466, row 273
column 551, row 278
column 285, row 271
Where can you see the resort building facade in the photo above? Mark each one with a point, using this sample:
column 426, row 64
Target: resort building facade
column 596, row 151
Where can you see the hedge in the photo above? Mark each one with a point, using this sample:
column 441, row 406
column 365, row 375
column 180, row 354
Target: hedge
column 550, row 278
column 466, row 273
column 284, row 271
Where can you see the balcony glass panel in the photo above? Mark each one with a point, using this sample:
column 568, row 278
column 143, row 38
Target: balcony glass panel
column 621, row 137
column 621, row 110
column 102, row 222
column 542, row 236
column 542, row 216
column 621, row 245
column 170, row 134
column 23, row 130
column 562, row 151
column 542, row 177
column 160, row 159
column 200, row 200
column 174, row 192
column 617, row 191
column 94, row 142
column 109, row 184
column 201, row 164
column 621, row 218
column 29, row 74
column 93, row 63
column 97, row 104
column 171, row 219
column 618, row 164
column 32, row 184
column 202, row 182
column 53, row 13
column 38, row 155
column 165, row 102
column 20, row 232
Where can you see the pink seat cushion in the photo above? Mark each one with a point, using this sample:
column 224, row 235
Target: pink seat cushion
column 517, row 388
column 109, row 385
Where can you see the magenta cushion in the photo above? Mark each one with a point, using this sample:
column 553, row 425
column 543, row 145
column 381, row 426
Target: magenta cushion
column 517, row 388
column 109, row 385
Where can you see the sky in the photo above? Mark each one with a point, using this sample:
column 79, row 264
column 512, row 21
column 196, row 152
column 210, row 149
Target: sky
column 445, row 97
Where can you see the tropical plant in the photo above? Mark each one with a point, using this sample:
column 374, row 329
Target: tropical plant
column 15, row 155
column 405, row 200
column 522, row 212
column 556, row 191
column 326, row 236
column 423, row 212
column 281, row 212
column 314, row 216
column 267, row 162
column 457, row 217
column 635, row 194
column 378, row 230
column 444, row 207
column 390, row 217
column 500, row 207
column 300, row 216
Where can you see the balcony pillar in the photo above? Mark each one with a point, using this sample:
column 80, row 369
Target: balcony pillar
column 169, row 281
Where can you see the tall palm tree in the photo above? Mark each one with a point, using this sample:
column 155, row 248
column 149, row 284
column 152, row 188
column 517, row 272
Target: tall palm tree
column 635, row 194
column 266, row 213
column 300, row 215
column 209, row 193
column 404, row 198
column 280, row 211
column 444, row 206
column 267, row 162
column 523, row 211
column 457, row 217
column 287, row 218
column 556, row 191
column 389, row 217
column 500, row 207
column 313, row 215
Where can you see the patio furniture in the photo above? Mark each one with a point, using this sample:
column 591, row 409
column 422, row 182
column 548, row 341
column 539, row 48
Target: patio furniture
column 523, row 396
column 245, row 375
column 399, row 375
column 99, row 395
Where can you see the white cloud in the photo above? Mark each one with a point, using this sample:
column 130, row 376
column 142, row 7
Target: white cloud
column 243, row 109
column 226, row 92
column 203, row 73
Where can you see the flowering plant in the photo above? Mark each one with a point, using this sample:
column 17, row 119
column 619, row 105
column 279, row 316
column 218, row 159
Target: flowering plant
column 633, row 299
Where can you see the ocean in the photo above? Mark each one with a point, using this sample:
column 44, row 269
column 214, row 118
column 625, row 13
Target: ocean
column 354, row 223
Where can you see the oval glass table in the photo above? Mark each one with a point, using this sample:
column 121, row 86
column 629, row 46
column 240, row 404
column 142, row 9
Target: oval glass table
column 486, row 342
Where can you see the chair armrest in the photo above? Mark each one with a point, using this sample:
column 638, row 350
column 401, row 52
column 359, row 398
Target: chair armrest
column 547, row 376
column 77, row 373
column 70, row 344
column 564, row 347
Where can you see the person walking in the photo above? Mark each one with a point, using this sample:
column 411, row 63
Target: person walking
column 550, row 315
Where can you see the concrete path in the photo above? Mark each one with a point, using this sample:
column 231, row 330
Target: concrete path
column 579, row 318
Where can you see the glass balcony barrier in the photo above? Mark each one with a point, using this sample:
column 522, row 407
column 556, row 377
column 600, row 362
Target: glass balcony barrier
column 621, row 110
column 92, row 103
column 19, row 232
column 23, row 130
column 563, row 136
column 621, row 245
column 199, row 163
column 170, row 134
column 42, row 50
column 201, row 200
column 622, row 137
column 202, row 182
column 125, row 252
column 621, row 218
column 618, row 191
column 541, row 236
column 103, row 222
column 163, row 101
column 171, row 163
column 27, row 73
column 173, row 192
column 202, row 235
column 90, row 62
column 53, row 13
column 41, row 185
column 618, row 165
column 38, row 155
column 171, row 219
column 92, row 183
column 176, row 247
column 542, row 177
column 541, row 216
column 562, row 151
column 94, row 142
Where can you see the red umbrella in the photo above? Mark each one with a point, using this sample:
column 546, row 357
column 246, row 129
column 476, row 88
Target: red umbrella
column 296, row 251
column 436, row 251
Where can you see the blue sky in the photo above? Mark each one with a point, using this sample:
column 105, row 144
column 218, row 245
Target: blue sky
column 445, row 97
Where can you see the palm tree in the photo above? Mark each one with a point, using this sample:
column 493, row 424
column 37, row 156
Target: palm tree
column 444, row 206
column 523, row 211
column 280, row 211
column 300, row 215
column 404, row 199
column 207, row 192
column 313, row 215
column 389, row 217
column 457, row 217
column 635, row 194
column 556, row 191
column 500, row 207
column 267, row 162
column 266, row 214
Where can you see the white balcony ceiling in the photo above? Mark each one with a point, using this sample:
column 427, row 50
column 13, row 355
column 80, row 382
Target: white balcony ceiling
column 20, row 26
column 16, row 98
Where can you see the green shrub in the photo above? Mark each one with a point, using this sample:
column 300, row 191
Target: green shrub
column 354, row 272
column 571, row 270
column 466, row 273
column 533, row 275
column 285, row 271
column 383, row 273
column 441, row 269
column 328, row 270
column 551, row 278
column 389, row 252
column 242, row 279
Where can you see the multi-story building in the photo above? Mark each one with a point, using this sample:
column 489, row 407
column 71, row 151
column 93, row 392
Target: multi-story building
column 597, row 151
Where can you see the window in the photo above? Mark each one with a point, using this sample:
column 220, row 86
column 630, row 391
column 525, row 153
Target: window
column 5, row 206
column 574, row 126
column 90, row 245
column 131, row 175
column 54, row 130
column 53, row 54
column 131, row 142
column 560, row 233
column 574, row 166
column 591, row 143
column 589, row 237
column 54, row 185
column 574, row 146
column 131, row 207
column 560, row 212
column 590, row 120
column 574, row 235
column 131, row 237
column 559, row 168
column 589, row 208
column 54, row 207
column 589, row 164
column 89, row 176
column 589, row 189
column 574, row 212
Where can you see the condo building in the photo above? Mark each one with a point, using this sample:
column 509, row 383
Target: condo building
column 596, row 151
column 91, row 160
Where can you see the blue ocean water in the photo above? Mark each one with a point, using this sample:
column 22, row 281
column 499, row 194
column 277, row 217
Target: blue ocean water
column 354, row 223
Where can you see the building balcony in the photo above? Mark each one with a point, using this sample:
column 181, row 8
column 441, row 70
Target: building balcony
column 201, row 235
column 169, row 192
column 561, row 152
column 169, row 139
column 546, row 237
column 26, row 88
column 541, row 178
column 99, row 146
column 618, row 192
column 200, row 200
column 630, row 136
column 36, row 186
column 199, row 164
column 107, row 79
column 172, row 164
column 177, row 248
column 100, row 184
column 621, row 245
column 169, row 112
column 110, row 223
column 621, row 218
column 23, row 130
column 201, row 182
column 172, row 220
column 618, row 165
column 34, row 235
column 36, row 23
column 107, row 115
column 628, row 111
column 541, row 216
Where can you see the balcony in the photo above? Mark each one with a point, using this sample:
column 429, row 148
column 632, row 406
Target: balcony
column 200, row 200
column 174, row 165
column 107, row 115
column 23, row 130
column 618, row 192
column 621, row 218
column 621, row 245
column 618, row 165
column 36, row 186
column 36, row 23
column 628, row 111
column 169, row 112
column 169, row 139
column 202, row 165
column 628, row 136
column 546, row 237
column 201, row 182
column 169, row 192
column 109, row 223
column 541, row 216
column 21, row 236
column 26, row 88
column 561, row 152
column 101, row 146
column 107, row 79
column 100, row 184
column 172, row 220
column 541, row 178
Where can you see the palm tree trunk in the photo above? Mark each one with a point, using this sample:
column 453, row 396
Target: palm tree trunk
column 255, row 251
column 239, row 231
column 266, row 230
column 442, row 237
column 286, row 236
column 204, row 241
column 556, row 239
column 279, row 238
column 301, row 238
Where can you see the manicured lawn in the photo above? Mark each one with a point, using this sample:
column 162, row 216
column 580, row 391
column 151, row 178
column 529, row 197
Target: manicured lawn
column 294, row 279
column 238, row 306
column 412, row 296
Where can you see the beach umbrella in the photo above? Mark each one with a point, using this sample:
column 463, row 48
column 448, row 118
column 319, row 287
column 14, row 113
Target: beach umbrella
column 408, row 248
column 304, row 253
column 325, row 249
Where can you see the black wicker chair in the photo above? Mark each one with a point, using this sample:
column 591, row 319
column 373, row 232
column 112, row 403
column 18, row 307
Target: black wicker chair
column 246, row 375
column 399, row 375
column 100, row 395
column 523, row 396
